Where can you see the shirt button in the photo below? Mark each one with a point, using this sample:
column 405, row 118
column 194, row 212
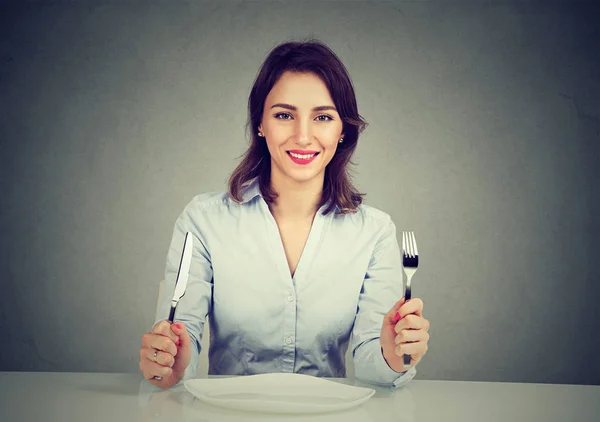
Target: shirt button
column 290, row 298
column 288, row 340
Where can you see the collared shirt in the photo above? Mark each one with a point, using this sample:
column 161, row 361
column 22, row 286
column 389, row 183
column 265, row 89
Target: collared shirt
column 262, row 319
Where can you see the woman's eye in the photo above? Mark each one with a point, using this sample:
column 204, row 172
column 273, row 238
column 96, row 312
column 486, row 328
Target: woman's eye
column 288, row 116
column 324, row 118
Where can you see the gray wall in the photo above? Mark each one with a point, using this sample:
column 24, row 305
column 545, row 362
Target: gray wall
column 483, row 138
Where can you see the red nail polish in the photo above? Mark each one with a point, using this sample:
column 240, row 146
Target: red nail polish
column 177, row 343
column 397, row 316
column 178, row 326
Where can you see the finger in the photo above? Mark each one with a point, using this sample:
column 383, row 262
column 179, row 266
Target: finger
column 153, row 369
column 164, row 328
column 391, row 315
column 411, row 322
column 413, row 306
column 180, row 331
column 159, row 342
column 410, row 336
column 412, row 349
column 162, row 358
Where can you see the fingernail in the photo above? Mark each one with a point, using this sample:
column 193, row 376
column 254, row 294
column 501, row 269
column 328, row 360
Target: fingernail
column 177, row 342
column 397, row 316
column 177, row 326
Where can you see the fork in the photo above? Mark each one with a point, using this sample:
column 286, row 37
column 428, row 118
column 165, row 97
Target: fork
column 410, row 263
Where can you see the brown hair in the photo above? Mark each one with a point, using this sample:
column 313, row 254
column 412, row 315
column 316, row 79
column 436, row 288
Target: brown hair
column 315, row 57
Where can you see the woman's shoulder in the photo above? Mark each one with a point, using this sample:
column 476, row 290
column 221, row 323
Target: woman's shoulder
column 370, row 214
column 207, row 201
column 365, row 226
column 220, row 204
column 369, row 219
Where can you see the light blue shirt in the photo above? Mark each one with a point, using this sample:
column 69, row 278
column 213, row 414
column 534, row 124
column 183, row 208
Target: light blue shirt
column 263, row 320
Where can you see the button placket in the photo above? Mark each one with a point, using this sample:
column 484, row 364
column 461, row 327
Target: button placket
column 289, row 333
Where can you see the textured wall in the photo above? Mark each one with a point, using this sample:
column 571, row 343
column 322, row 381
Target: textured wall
column 483, row 138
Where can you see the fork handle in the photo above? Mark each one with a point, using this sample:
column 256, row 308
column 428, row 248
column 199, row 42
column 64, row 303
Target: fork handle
column 407, row 296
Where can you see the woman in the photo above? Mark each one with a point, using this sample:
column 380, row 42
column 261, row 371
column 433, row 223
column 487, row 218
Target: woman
column 289, row 264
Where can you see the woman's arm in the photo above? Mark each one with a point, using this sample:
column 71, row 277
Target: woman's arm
column 381, row 289
column 195, row 305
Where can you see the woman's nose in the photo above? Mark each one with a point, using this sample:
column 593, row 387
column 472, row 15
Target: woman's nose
column 303, row 133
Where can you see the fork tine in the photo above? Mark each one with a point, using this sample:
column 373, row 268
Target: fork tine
column 416, row 250
column 403, row 242
column 414, row 244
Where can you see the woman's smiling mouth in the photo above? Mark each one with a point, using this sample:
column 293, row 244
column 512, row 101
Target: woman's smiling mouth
column 302, row 157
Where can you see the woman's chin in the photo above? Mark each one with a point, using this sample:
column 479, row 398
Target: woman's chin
column 304, row 176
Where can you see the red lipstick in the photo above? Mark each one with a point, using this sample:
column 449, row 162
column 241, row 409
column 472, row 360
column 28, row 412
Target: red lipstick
column 302, row 157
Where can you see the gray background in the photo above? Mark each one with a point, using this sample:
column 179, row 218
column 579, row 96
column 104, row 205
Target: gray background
column 483, row 138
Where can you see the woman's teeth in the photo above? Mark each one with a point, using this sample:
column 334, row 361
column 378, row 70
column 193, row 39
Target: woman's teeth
column 302, row 156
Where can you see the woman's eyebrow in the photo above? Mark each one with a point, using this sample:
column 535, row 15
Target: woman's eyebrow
column 294, row 108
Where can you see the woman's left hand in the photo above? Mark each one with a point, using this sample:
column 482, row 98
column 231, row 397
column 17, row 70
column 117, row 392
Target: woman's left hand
column 404, row 331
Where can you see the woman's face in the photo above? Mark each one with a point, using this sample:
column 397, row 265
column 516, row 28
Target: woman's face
column 301, row 126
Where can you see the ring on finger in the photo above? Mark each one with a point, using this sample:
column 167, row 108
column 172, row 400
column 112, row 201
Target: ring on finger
column 157, row 377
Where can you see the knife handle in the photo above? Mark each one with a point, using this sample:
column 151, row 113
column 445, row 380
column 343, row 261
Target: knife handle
column 172, row 314
column 170, row 320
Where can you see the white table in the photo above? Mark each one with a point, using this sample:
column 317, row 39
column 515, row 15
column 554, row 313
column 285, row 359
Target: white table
column 65, row 397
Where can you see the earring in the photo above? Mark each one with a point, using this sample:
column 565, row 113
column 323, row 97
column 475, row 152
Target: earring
column 341, row 140
column 261, row 135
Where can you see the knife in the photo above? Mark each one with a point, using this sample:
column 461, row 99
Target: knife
column 182, row 279
column 182, row 275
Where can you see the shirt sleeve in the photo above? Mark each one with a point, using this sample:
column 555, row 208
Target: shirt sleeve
column 196, row 303
column 382, row 288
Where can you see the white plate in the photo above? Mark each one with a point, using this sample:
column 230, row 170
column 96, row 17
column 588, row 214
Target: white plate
column 278, row 393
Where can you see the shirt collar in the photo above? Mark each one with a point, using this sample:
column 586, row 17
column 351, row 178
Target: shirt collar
column 251, row 190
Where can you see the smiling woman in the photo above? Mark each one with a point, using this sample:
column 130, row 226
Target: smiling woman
column 303, row 99
column 289, row 264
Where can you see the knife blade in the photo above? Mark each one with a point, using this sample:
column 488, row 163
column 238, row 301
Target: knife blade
column 182, row 274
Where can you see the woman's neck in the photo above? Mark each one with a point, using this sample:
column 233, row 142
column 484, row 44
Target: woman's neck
column 295, row 201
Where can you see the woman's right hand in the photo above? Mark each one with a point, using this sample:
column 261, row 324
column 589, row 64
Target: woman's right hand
column 165, row 353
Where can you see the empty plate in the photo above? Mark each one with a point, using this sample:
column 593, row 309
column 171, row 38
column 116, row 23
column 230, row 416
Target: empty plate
column 278, row 393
